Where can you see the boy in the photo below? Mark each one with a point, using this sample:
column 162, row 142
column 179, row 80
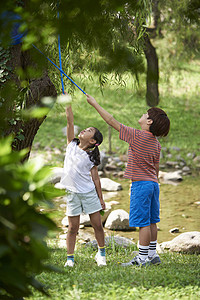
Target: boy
column 142, row 168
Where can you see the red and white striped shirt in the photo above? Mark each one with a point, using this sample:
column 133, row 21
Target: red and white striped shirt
column 143, row 154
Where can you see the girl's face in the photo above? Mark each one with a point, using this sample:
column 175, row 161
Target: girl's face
column 87, row 134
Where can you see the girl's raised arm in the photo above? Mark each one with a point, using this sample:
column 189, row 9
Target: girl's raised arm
column 70, row 124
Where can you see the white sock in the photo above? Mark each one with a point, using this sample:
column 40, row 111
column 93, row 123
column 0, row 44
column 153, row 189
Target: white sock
column 152, row 248
column 143, row 252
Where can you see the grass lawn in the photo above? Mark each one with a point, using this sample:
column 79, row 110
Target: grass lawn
column 177, row 277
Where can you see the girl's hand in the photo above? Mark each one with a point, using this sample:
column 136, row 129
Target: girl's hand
column 103, row 205
column 90, row 100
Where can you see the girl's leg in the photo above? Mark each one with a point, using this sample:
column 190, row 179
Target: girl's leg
column 72, row 232
column 100, row 257
column 95, row 220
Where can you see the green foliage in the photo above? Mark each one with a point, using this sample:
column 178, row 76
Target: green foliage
column 182, row 18
column 23, row 227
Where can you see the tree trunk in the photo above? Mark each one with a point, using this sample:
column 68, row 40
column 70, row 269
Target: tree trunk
column 39, row 88
column 152, row 93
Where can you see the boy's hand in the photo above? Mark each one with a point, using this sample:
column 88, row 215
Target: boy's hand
column 90, row 100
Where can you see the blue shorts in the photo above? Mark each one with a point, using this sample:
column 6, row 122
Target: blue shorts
column 144, row 204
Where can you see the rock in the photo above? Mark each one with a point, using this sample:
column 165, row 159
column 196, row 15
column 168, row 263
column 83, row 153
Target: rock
column 170, row 177
column 110, row 185
column 113, row 202
column 59, row 186
column 174, row 230
column 111, row 167
column 186, row 169
column 196, row 159
column 63, row 205
column 124, row 158
column 171, row 164
column 188, row 242
column 120, row 174
column 57, row 151
column 103, row 161
column 109, row 195
column 113, row 241
column 118, row 220
column 191, row 155
column 176, row 149
column 56, row 175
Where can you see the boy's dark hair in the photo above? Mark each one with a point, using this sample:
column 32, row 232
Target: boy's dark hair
column 94, row 154
column 161, row 122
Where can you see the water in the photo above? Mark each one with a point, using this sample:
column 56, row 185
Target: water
column 178, row 209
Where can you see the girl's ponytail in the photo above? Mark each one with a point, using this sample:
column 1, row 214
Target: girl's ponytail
column 94, row 154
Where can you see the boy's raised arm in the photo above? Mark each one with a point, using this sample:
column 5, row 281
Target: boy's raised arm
column 103, row 113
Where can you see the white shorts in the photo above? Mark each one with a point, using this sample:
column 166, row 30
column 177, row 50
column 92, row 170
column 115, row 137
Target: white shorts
column 78, row 203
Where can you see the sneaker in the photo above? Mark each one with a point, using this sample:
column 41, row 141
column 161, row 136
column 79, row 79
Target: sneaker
column 137, row 262
column 155, row 259
column 101, row 260
column 69, row 263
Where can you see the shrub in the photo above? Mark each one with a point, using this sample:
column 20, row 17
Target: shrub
column 23, row 225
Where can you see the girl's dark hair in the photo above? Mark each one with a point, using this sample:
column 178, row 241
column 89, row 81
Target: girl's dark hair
column 161, row 122
column 94, row 154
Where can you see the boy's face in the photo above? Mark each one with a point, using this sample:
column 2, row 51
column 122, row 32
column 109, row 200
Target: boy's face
column 144, row 121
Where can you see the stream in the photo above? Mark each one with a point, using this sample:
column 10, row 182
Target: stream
column 179, row 208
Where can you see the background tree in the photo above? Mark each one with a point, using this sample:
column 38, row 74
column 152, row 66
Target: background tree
column 92, row 24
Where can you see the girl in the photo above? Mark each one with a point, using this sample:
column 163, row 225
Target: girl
column 85, row 195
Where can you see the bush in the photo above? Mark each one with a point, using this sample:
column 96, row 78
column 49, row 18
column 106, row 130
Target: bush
column 23, row 227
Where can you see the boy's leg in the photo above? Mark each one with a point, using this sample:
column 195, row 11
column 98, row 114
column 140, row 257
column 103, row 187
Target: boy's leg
column 153, row 242
column 71, row 238
column 144, row 241
column 152, row 255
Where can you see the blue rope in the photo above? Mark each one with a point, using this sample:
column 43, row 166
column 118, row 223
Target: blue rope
column 60, row 60
column 61, row 75
column 59, row 69
column 17, row 37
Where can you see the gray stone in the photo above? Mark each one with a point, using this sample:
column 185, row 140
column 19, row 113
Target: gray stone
column 174, row 230
column 170, row 177
column 188, row 242
column 111, row 166
column 113, row 241
column 196, row 159
column 56, row 175
column 176, row 148
column 171, row 163
column 110, row 185
column 103, row 160
column 186, row 169
column 191, row 155
column 118, row 220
